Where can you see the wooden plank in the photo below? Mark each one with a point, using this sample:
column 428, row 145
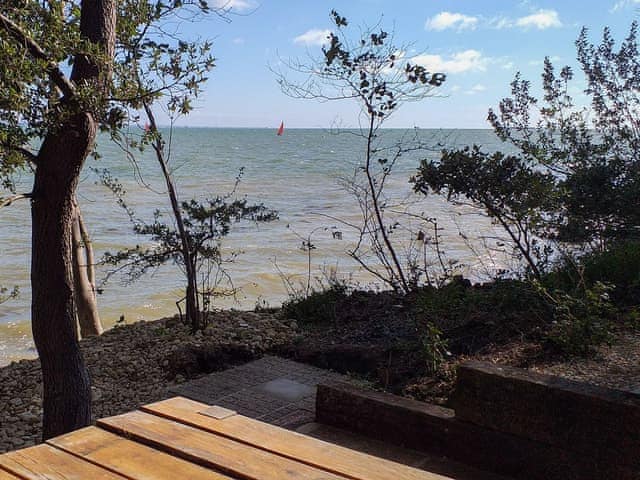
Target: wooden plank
column 211, row 451
column 4, row 475
column 128, row 458
column 219, row 413
column 45, row 462
column 289, row 444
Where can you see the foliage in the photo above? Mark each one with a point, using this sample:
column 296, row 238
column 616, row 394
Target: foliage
column 148, row 62
column 574, row 182
column 29, row 105
column 581, row 322
column 70, row 67
column 592, row 152
column 373, row 72
column 501, row 302
column 434, row 348
column 618, row 266
column 205, row 224
column 172, row 72
column 511, row 191
column 318, row 305
column 154, row 64
column 573, row 321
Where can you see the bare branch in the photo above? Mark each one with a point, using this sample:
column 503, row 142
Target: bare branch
column 5, row 202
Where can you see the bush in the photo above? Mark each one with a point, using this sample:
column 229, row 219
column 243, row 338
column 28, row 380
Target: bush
column 618, row 266
column 581, row 323
column 434, row 348
column 504, row 301
column 573, row 320
column 318, row 307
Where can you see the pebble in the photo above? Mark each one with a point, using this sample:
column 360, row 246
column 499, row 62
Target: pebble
column 129, row 367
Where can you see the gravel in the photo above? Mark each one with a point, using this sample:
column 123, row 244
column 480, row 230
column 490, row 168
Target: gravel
column 132, row 365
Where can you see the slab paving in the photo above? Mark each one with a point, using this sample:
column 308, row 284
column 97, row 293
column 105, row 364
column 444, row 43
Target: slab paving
column 283, row 392
column 272, row 389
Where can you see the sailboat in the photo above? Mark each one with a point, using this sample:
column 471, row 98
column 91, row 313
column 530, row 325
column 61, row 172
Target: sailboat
column 280, row 129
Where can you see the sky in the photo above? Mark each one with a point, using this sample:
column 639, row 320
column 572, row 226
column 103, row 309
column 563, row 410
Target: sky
column 479, row 44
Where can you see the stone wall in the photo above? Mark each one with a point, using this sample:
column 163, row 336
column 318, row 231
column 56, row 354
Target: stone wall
column 592, row 421
column 508, row 421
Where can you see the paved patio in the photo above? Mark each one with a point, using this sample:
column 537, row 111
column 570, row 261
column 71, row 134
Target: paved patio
column 283, row 393
column 272, row 389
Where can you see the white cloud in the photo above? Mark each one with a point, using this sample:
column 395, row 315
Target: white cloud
column 619, row 5
column 444, row 20
column 466, row 61
column 500, row 22
column 313, row 37
column 238, row 41
column 237, row 5
column 476, row 89
column 541, row 20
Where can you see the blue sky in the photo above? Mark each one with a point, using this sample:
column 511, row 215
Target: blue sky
column 479, row 44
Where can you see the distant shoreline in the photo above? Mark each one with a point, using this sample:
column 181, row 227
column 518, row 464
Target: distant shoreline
column 274, row 128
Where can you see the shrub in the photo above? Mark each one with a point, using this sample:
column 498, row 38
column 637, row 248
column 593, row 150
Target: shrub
column 434, row 348
column 318, row 307
column 581, row 323
column 618, row 266
column 504, row 301
column 572, row 320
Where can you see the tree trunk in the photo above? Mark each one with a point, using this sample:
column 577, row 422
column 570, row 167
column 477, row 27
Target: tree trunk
column 67, row 392
column 193, row 313
column 83, row 281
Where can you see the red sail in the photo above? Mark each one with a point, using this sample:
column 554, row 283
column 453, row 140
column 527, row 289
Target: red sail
column 281, row 129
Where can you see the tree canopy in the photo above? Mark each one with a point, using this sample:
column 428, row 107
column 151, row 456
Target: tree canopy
column 73, row 68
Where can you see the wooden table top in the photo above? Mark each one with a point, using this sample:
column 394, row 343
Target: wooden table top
column 181, row 439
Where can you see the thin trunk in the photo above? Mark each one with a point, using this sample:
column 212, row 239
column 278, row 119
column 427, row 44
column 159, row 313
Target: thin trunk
column 191, row 299
column 88, row 250
column 524, row 249
column 399, row 272
column 84, row 289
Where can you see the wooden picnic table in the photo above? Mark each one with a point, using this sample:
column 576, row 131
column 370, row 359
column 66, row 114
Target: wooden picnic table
column 179, row 439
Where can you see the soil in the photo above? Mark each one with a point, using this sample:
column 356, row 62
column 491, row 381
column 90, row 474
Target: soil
column 376, row 335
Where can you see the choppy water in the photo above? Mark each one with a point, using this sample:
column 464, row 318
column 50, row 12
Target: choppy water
column 297, row 174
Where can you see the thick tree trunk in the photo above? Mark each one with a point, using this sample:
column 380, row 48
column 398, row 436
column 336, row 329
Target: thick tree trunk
column 67, row 393
column 83, row 281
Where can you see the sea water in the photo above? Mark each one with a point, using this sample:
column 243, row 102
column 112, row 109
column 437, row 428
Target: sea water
column 301, row 174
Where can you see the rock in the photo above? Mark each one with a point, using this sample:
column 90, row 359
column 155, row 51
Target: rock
column 131, row 365
column 96, row 394
column 29, row 418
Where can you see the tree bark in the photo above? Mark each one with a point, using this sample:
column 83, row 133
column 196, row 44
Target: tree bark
column 67, row 392
column 83, row 281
